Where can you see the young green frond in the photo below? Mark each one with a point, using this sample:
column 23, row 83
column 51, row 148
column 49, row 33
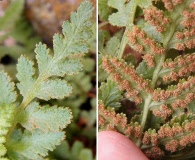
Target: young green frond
column 33, row 145
column 126, row 11
column 7, row 109
column 110, row 94
column 8, row 95
column 46, row 118
column 63, row 61
column 41, row 127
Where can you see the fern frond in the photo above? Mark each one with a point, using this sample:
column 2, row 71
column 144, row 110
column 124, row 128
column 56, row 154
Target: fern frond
column 75, row 151
column 140, row 41
column 182, row 66
column 7, row 88
column 162, row 32
column 125, row 11
column 110, row 94
column 7, row 113
column 180, row 127
column 64, row 61
column 111, row 46
column 7, row 108
column 41, row 128
column 33, row 145
column 45, row 118
column 178, row 96
column 110, row 120
column 103, row 9
column 76, row 33
column 127, row 78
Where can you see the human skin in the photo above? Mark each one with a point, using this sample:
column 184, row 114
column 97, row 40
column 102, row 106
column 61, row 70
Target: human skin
column 115, row 146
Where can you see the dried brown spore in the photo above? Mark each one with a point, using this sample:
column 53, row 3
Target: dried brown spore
column 189, row 21
column 190, row 43
column 146, row 138
column 190, row 126
column 156, row 18
column 143, row 43
column 187, row 140
column 180, row 35
column 149, row 60
column 126, row 77
column 186, row 38
column 154, row 139
column 110, row 120
column 185, row 135
column 182, row 68
column 137, row 131
column 183, row 102
column 150, row 137
column 168, row 132
column 109, row 115
column 180, row 46
column 159, row 95
column 129, row 130
column 172, row 146
column 154, row 153
column 163, row 111
column 171, row 4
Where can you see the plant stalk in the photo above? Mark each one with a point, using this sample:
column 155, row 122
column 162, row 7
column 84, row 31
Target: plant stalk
column 130, row 23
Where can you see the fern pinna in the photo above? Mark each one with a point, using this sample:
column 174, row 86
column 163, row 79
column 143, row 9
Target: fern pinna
column 160, row 88
column 27, row 129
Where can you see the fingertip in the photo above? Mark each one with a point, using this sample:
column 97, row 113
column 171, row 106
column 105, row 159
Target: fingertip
column 115, row 146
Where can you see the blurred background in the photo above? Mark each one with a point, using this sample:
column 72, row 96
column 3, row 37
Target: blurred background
column 23, row 23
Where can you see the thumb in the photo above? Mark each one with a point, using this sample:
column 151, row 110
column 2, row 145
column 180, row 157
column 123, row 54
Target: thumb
column 115, row 146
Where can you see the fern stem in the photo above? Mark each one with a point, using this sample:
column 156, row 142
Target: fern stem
column 133, row 4
column 144, row 117
column 157, row 70
column 27, row 99
column 122, row 45
column 15, row 122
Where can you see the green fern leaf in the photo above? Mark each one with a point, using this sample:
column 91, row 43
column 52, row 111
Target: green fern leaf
column 55, row 89
column 7, row 109
column 110, row 94
column 8, row 95
column 125, row 12
column 43, row 57
column 111, row 46
column 63, row 62
column 74, row 152
column 25, row 75
column 103, row 9
column 121, row 17
column 43, row 126
column 7, row 113
column 45, row 118
column 31, row 146
column 76, row 33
